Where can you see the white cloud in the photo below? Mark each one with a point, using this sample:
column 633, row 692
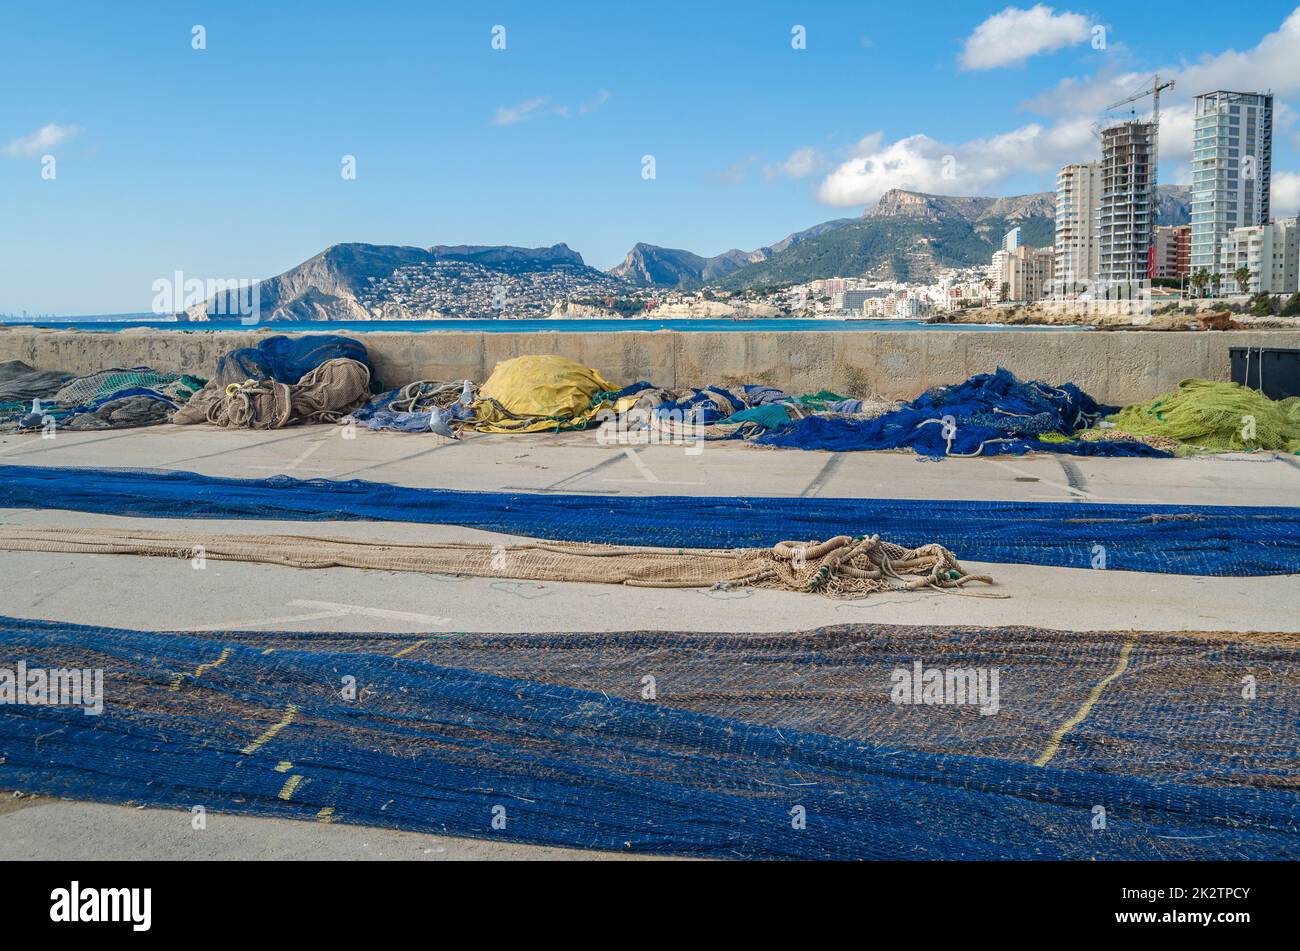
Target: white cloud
column 920, row 163
column 1272, row 64
column 1014, row 35
column 40, row 141
column 736, row 174
column 509, row 115
column 801, row 163
column 1285, row 194
column 594, row 103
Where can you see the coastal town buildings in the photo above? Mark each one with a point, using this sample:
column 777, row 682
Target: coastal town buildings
column 1232, row 168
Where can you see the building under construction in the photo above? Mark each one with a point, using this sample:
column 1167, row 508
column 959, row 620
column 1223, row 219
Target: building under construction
column 1128, row 201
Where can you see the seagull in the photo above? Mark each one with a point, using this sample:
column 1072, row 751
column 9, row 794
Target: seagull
column 466, row 394
column 32, row 419
column 438, row 424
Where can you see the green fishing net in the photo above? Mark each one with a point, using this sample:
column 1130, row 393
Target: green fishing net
column 1220, row 416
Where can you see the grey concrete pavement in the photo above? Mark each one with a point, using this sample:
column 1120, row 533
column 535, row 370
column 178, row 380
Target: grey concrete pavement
column 56, row 829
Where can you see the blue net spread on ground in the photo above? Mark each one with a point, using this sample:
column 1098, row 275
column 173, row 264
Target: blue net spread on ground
column 287, row 359
column 989, row 414
column 1101, row 745
column 1174, row 539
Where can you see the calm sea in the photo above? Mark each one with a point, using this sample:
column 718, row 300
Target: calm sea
column 530, row 326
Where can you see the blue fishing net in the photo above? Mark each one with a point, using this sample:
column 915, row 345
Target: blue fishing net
column 1176, row 539
column 709, row 405
column 795, row 746
column 989, row 414
column 287, row 359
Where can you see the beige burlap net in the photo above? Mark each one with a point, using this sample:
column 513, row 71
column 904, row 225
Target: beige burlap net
column 324, row 395
column 843, row 566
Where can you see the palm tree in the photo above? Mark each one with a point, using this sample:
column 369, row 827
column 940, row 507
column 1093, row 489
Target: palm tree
column 1216, row 280
column 1199, row 280
column 1242, row 277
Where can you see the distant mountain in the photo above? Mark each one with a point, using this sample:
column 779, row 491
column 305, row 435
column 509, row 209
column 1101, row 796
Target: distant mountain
column 377, row 282
column 648, row 265
column 1174, row 206
column 910, row 236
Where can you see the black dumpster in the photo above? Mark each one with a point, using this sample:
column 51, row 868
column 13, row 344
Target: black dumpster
column 1273, row 371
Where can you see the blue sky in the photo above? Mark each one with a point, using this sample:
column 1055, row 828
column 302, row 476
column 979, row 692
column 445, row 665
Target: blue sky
column 225, row 162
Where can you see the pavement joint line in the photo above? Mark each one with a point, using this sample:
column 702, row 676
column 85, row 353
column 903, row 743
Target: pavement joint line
column 57, row 443
column 823, row 476
column 647, row 474
column 248, row 625
column 389, row 462
column 226, row 452
column 312, row 448
column 548, row 488
column 590, row 470
column 361, row 609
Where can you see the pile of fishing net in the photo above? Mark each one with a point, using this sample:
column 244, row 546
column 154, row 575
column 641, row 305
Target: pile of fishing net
column 287, row 359
column 989, row 414
column 124, row 398
column 20, row 382
column 283, row 381
column 844, row 566
column 118, row 383
column 1202, row 414
column 541, row 393
column 415, row 407
column 743, row 412
column 325, row 394
column 115, row 398
column 19, row 385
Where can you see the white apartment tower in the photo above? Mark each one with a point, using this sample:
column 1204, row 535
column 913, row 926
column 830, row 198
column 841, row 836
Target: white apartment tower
column 1232, row 169
column 1127, row 216
column 1078, row 206
column 1271, row 253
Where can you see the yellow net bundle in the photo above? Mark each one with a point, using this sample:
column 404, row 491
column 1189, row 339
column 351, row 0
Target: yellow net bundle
column 535, row 394
column 1217, row 416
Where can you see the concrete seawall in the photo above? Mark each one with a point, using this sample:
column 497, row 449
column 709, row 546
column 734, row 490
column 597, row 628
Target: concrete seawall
column 1115, row 367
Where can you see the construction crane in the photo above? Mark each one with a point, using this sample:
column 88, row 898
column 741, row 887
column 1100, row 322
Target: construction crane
column 1154, row 92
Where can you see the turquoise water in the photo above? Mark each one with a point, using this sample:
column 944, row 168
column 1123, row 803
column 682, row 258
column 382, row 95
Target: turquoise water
column 517, row 326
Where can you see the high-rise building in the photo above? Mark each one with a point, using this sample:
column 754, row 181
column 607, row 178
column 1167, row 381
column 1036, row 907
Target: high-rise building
column 1127, row 214
column 1029, row 273
column 1171, row 252
column 1271, row 253
column 1232, row 169
column 1011, row 240
column 1078, row 204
